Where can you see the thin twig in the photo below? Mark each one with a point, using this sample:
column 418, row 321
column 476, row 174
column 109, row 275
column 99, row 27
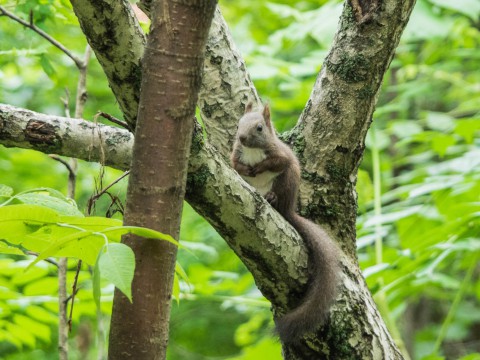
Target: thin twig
column 115, row 120
column 74, row 292
column 68, row 298
column 113, row 183
column 66, row 103
column 62, row 309
column 115, row 206
column 48, row 260
column 63, row 326
column 96, row 196
column 71, row 171
column 78, row 62
column 81, row 98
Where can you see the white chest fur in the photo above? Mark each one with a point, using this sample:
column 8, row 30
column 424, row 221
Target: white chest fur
column 252, row 156
column 262, row 182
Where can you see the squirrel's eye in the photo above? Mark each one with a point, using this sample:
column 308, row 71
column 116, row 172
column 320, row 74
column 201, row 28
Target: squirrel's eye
column 259, row 127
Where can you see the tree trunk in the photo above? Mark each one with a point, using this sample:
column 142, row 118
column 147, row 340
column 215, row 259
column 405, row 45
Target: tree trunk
column 170, row 81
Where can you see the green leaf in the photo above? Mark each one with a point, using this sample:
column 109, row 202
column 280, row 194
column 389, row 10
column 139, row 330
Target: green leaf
column 61, row 206
column 40, row 314
column 42, row 230
column 176, row 289
column 27, row 213
column 477, row 290
column 443, row 281
column 375, row 269
column 38, row 329
column 468, row 245
column 93, row 223
column 62, row 244
column 475, row 356
column 266, row 348
column 470, row 8
column 433, row 357
column 405, row 129
column 42, row 287
column 5, row 191
column 393, row 216
column 180, row 273
column 18, row 221
column 52, row 192
column 47, row 65
column 96, row 282
column 467, row 128
column 94, row 238
column 45, row 191
column 441, row 143
column 364, row 187
column 377, row 139
column 117, row 265
column 431, row 185
column 5, row 248
column 22, row 334
column 143, row 232
column 283, row 11
column 425, row 24
column 440, row 121
column 23, row 278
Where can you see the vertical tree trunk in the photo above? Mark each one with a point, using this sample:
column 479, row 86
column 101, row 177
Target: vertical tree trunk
column 171, row 78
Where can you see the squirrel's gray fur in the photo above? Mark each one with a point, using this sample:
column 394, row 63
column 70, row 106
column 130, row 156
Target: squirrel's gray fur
column 272, row 168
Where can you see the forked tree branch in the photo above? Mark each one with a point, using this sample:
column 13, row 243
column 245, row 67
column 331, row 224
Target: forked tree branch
column 354, row 69
column 271, row 249
column 333, row 124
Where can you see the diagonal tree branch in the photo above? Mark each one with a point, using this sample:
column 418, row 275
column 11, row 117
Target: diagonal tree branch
column 221, row 100
column 339, row 112
column 117, row 39
column 78, row 62
column 64, row 136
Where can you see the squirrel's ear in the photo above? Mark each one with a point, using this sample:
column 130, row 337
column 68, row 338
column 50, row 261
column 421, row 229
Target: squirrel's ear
column 266, row 115
column 248, row 107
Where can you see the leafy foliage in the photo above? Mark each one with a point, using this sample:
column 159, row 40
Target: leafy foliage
column 424, row 218
column 49, row 229
column 48, row 224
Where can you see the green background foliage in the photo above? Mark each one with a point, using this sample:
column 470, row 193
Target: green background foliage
column 418, row 187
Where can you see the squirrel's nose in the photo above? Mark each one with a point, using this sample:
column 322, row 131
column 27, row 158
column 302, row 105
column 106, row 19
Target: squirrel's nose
column 243, row 138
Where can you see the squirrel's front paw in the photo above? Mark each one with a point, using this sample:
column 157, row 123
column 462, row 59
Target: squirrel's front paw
column 244, row 170
column 257, row 169
column 252, row 172
column 271, row 197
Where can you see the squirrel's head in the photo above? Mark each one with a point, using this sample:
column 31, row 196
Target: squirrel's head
column 255, row 129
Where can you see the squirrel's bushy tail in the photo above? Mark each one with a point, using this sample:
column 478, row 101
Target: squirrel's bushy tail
column 322, row 290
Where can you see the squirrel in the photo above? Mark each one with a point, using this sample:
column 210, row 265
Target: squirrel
column 272, row 168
